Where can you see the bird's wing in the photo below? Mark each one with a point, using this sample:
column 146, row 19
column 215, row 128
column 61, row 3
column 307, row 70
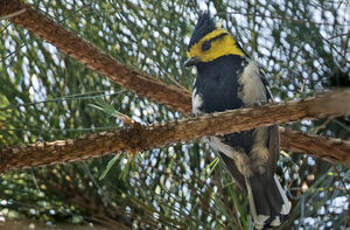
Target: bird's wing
column 267, row 87
column 232, row 168
column 273, row 131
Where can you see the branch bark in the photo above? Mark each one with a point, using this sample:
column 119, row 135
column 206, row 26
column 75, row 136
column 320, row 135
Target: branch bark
column 140, row 138
column 332, row 149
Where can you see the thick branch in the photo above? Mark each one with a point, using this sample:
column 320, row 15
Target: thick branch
column 94, row 58
column 332, row 149
column 141, row 138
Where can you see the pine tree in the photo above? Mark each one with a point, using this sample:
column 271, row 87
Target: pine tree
column 51, row 93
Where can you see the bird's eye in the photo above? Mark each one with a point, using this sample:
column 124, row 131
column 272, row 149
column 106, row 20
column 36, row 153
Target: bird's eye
column 206, row 46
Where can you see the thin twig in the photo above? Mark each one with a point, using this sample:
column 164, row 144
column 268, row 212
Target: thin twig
column 14, row 14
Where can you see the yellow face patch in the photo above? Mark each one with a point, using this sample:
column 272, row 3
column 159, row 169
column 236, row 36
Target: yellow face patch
column 217, row 43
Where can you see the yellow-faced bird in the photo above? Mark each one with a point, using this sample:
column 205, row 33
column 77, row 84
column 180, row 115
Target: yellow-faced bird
column 228, row 79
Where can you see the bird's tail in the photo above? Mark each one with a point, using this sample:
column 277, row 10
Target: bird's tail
column 268, row 202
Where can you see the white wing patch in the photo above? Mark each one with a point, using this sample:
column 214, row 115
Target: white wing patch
column 253, row 89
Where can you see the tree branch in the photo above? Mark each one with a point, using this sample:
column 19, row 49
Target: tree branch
column 140, row 138
column 93, row 58
column 332, row 149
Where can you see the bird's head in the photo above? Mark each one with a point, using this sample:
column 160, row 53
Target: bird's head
column 209, row 42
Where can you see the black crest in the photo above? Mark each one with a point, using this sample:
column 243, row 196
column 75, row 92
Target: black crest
column 203, row 27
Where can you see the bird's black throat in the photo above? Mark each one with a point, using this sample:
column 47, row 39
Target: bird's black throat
column 217, row 83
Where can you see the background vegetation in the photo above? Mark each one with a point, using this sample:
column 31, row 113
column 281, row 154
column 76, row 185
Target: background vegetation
column 302, row 45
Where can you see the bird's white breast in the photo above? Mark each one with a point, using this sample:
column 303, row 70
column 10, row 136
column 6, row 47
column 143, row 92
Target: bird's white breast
column 197, row 102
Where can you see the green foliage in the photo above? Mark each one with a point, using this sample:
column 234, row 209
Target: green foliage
column 46, row 95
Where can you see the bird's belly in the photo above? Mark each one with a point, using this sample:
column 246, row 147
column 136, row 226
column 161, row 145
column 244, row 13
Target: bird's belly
column 217, row 97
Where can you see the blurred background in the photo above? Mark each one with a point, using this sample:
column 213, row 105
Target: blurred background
column 303, row 47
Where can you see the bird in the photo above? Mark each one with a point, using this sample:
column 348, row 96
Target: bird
column 227, row 78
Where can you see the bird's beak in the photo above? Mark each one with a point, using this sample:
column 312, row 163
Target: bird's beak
column 191, row 61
